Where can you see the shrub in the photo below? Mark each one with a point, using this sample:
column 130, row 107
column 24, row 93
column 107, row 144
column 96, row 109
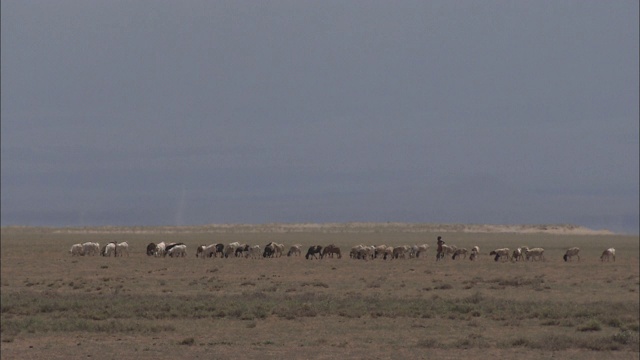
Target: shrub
column 188, row 341
column 591, row 325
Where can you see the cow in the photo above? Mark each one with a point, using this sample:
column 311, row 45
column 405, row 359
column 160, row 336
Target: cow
column 273, row 250
column 200, row 251
column 219, row 250
column 458, row 252
column 534, row 254
column 314, row 251
column 446, row 250
column 254, row 251
column 160, row 249
column 400, row 252
column 151, row 249
column 169, row 247
column 610, row 252
column 500, row 253
column 295, row 250
column 330, row 250
column 91, row 248
column 379, row 251
column 242, row 250
column 571, row 252
column 76, row 250
column 178, row 250
column 231, row 249
column 122, row 248
column 109, row 249
column 420, row 249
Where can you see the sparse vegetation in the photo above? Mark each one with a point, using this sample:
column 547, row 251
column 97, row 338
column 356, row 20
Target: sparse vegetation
column 452, row 306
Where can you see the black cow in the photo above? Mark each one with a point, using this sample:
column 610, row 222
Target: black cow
column 314, row 251
column 151, row 249
column 241, row 250
column 219, row 249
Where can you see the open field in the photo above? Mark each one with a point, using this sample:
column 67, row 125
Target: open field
column 55, row 306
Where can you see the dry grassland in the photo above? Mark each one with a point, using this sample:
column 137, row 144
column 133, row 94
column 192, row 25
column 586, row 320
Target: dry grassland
column 55, row 306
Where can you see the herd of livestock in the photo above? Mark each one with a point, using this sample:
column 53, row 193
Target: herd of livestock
column 363, row 252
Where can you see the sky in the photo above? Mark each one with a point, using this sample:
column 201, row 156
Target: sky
column 205, row 112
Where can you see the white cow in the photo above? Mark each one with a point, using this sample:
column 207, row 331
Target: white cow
column 109, row 249
column 571, row 253
column 91, row 248
column 122, row 248
column 254, row 251
column 459, row 252
column 420, row 249
column 448, row 250
column 230, row 249
column 208, row 251
column 401, row 252
column 501, row 253
column 160, row 249
column 76, row 250
column 610, row 252
column 178, row 251
column 534, row 254
column 295, row 250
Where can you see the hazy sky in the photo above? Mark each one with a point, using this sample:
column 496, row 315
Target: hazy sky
column 200, row 112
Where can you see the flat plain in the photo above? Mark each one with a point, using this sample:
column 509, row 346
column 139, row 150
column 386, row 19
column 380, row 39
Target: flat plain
column 56, row 306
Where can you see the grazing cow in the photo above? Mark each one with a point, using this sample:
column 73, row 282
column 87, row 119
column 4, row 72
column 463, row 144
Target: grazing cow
column 571, row 253
column 314, row 251
column 209, row 251
column 151, row 249
column 122, row 248
column 109, row 249
column 169, row 247
column 160, row 249
column 363, row 252
column 535, row 254
column 200, row 251
column 501, row 253
column 446, row 250
column 254, row 251
column 219, row 249
column 354, row 251
column 379, row 251
column 243, row 250
column 459, row 252
column 475, row 252
column 420, row 249
column 388, row 253
column 268, row 251
column 177, row 250
column 610, row 252
column 91, row 248
column 400, row 252
column 231, row 249
column 517, row 255
column 295, row 250
column 330, row 250
column 76, row 250
column 279, row 249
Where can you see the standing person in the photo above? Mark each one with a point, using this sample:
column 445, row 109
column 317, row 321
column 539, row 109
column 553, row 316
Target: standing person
column 440, row 254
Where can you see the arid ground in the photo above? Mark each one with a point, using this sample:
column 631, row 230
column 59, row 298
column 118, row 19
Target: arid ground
column 55, row 306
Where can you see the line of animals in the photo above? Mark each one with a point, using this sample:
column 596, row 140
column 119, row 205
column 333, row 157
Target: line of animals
column 363, row 252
